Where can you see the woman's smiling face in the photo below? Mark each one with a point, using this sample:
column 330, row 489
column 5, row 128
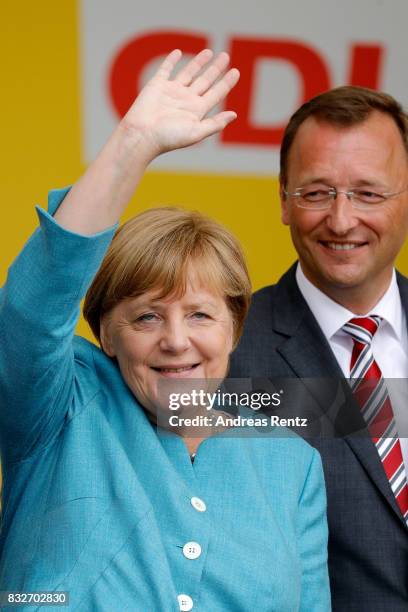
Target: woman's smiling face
column 168, row 339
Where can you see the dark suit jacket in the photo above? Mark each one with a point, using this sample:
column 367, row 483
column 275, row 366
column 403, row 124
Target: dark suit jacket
column 368, row 546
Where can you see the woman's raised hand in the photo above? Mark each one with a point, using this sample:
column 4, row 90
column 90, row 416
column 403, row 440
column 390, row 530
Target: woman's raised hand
column 170, row 113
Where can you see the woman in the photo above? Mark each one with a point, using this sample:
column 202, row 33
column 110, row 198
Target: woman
column 95, row 502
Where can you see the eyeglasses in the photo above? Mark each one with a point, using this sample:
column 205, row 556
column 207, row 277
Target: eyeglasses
column 322, row 198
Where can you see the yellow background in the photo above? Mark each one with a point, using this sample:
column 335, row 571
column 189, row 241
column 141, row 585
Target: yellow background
column 40, row 147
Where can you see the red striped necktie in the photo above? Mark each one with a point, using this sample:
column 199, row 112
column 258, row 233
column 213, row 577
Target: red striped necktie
column 371, row 393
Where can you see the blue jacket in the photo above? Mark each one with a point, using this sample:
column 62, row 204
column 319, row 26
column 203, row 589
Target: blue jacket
column 97, row 503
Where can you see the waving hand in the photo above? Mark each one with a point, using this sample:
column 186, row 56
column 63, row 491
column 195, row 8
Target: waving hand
column 169, row 113
column 172, row 112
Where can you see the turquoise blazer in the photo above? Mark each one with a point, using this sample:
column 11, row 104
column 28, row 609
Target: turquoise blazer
column 98, row 503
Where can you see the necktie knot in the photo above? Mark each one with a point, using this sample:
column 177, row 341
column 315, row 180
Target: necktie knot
column 362, row 329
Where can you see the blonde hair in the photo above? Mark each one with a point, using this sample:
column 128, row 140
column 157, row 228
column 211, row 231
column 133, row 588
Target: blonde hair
column 154, row 251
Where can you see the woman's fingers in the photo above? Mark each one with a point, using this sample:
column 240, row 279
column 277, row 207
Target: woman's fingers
column 189, row 97
column 205, row 80
column 212, row 85
column 193, row 67
column 168, row 65
column 219, row 91
column 213, row 125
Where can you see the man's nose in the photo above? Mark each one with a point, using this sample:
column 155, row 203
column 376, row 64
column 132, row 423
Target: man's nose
column 175, row 337
column 342, row 216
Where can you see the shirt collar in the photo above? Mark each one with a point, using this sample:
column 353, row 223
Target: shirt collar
column 331, row 316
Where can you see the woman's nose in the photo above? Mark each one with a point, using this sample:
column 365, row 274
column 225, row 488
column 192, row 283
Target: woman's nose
column 175, row 337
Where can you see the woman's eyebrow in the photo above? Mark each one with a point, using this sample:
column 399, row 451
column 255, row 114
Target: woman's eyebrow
column 156, row 303
column 202, row 303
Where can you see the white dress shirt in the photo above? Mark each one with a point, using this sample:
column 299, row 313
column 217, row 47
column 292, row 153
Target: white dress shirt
column 389, row 345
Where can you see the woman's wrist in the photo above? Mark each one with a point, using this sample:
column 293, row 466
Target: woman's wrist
column 100, row 196
column 136, row 142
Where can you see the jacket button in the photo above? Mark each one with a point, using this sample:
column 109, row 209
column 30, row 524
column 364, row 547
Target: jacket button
column 191, row 550
column 198, row 504
column 185, row 602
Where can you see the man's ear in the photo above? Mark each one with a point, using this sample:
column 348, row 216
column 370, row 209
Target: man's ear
column 284, row 205
column 105, row 336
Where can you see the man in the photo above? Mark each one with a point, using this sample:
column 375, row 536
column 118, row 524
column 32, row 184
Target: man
column 341, row 313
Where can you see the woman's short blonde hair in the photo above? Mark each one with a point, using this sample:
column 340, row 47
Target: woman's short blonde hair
column 154, row 251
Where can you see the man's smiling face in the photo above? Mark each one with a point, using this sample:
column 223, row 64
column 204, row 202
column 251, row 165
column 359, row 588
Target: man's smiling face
column 343, row 248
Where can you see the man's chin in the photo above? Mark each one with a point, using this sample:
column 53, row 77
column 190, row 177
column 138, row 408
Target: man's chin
column 341, row 277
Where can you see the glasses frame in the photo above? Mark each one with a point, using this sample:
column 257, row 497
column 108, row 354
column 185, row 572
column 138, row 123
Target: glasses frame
column 333, row 192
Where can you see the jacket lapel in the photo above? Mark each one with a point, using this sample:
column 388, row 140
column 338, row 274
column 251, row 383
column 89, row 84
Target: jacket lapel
column 303, row 347
column 403, row 289
column 365, row 451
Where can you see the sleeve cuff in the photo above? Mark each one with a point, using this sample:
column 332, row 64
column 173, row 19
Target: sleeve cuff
column 70, row 257
column 55, row 198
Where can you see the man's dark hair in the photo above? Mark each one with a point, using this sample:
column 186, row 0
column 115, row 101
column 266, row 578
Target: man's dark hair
column 343, row 106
